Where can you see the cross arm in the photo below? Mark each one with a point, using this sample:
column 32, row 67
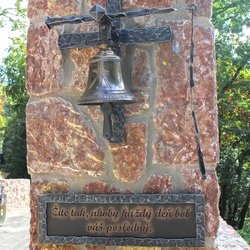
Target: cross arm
column 97, row 13
column 127, row 36
column 51, row 22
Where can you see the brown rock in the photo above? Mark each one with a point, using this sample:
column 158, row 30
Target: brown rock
column 144, row 21
column 192, row 183
column 102, row 188
column 229, row 238
column 147, row 3
column 130, row 157
column 95, row 111
column 95, row 247
column 84, row 27
column 55, row 188
column 35, row 190
column 39, row 187
column 175, row 141
column 139, row 248
column 204, row 7
column 52, row 8
column 60, row 139
column 44, row 60
column 80, row 58
column 138, row 107
column 17, row 191
column 91, row 3
column 158, row 185
column 141, row 73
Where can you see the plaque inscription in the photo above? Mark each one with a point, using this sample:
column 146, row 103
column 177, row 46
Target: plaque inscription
column 139, row 220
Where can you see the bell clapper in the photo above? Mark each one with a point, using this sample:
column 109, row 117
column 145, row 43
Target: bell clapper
column 107, row 109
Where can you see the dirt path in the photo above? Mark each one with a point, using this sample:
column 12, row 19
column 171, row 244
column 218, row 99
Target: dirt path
column 15, row 230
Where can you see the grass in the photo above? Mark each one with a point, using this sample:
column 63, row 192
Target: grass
column 245, row 231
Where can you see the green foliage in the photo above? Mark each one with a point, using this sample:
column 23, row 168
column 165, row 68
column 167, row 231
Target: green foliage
column 3, row 119
column 13, row 76
column 14, row 148
column 16, row 15
column 231, row 20
column 245, row 231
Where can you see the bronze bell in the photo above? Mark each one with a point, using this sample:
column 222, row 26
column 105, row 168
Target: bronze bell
column 105, row 87
column 105, row 81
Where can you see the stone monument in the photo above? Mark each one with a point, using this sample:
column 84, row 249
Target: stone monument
column 67, row 153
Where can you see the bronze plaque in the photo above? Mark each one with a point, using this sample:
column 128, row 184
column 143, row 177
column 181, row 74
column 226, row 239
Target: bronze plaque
column 145, row 220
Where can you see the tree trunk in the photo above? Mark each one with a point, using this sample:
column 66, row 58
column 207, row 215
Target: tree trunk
column 244, row 210
column 234, row 219
column 223, row 201
column 230, row 214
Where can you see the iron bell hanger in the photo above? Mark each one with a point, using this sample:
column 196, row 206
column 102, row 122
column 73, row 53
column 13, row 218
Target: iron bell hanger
column 105, row 85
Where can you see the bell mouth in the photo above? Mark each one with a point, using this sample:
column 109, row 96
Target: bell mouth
column 105, row 81
column 116, row 97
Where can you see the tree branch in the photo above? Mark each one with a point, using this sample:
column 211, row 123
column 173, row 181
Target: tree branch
column 234, row 77
column 230, row 6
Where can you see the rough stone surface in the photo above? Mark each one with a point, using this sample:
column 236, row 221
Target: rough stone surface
column 103, row 188
column 144, row 21
column 95, row 247
column 39, row 187
column 84, row 27
column 95, row 111
column 146, row 3
column 140, row 248
column 17, row 191
column 44, row 60
column 193, row 183
column 55, row 188
column 138, row 107
column 175, row 141
column 65, row 140
column 80, row 58
column 204, row 7
column 130, row 157
column 52, row 8
column 229, row 239
column 158, row 185
column 60, row 140
column 141, row 73
column 91, row 3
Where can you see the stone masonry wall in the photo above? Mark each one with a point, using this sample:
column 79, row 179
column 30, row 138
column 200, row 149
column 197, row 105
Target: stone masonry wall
column 66, row 150
column 17, row 191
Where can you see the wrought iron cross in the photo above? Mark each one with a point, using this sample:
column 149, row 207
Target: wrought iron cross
column 111, row 34
column 109, row 27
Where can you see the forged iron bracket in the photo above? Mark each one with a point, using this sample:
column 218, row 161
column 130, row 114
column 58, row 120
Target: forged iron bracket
column 110, row 33
column 109, row 27
column 127, row 36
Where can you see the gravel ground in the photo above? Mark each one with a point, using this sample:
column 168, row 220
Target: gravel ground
column 14, row 233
